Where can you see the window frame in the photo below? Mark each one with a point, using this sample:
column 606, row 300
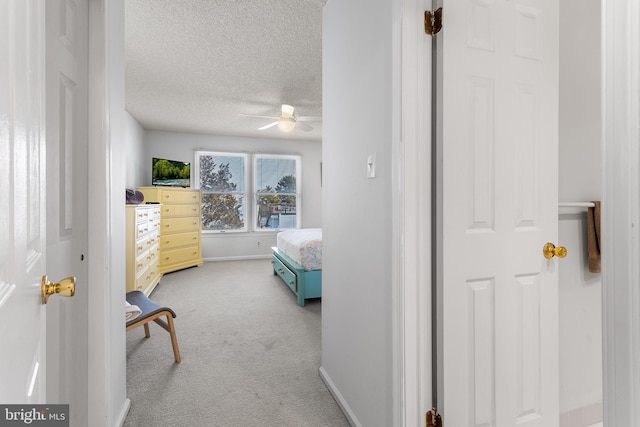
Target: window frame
column 254, row 190
column 245, row 194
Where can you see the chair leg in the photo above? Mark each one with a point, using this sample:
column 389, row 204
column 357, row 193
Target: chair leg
column 174, row 340
column 147, row 333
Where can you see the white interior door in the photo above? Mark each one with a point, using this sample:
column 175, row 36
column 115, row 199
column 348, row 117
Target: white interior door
column 67, row 38
column 22, row 201
column 498, row 155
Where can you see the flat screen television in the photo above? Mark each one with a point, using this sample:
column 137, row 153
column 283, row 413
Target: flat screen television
column 170, row 173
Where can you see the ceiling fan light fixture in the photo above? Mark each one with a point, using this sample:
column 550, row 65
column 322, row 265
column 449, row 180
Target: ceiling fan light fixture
column 287, row 110
column 286, row 124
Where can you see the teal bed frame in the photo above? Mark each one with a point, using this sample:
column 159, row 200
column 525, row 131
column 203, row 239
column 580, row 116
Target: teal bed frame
column 305, row 284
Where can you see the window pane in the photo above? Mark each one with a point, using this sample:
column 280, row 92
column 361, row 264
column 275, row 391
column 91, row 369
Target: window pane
column 222, row 211
column 275, row 175
column 220, row 173
column 276, row 211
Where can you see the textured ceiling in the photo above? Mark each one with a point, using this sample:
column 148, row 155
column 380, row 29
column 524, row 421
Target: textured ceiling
column 195, row 65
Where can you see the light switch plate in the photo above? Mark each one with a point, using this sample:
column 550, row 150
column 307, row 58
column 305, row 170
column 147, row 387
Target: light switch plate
column 371, row 166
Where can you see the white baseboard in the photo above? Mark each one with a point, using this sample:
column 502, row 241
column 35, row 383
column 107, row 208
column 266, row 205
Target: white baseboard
column 238, row 258
column 589, row 415
column 124, row 412
column 351, row 417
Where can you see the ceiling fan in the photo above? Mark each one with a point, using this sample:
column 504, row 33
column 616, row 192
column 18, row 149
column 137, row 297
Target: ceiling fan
column 287, row 120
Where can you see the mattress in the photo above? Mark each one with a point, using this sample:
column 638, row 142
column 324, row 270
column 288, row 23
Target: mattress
column 304, row 246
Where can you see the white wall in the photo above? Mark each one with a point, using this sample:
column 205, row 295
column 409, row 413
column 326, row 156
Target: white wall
column 357, row 84
column 220, row 246
column 580, row 180
column 134, row 152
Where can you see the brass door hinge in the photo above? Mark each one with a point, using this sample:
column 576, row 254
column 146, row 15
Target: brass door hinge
column 433, row 418
column 433, row 21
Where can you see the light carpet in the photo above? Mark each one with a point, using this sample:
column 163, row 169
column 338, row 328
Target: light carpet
column 250, row 354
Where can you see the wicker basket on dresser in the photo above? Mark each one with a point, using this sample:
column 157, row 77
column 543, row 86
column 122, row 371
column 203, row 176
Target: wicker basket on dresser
column 143, row 247
column 180, row 229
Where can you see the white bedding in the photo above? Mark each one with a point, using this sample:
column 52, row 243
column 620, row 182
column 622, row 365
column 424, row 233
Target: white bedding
column 304, row 246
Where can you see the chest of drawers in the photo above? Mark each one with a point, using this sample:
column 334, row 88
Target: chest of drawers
column 180, row 229
column 143, row 247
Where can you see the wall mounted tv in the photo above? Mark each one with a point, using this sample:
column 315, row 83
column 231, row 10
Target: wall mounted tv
column 170, row 173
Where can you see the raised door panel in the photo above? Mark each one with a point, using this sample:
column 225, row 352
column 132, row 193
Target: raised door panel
column 23, row 213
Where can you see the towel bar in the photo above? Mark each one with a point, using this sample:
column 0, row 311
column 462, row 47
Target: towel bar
column 576, row 205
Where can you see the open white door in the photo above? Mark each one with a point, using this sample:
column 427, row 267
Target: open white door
column 33, row 208
column 22, row 202
column 497, row 81
column 67, row 239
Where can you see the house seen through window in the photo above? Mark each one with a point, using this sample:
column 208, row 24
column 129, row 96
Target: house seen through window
column 233, row 197
column 276, row 186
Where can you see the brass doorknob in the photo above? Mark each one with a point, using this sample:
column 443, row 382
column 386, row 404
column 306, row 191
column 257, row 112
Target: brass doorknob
column 550, row 250
column 66, row 287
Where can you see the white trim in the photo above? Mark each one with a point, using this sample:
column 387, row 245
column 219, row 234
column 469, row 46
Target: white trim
column 98, row 396
column 415, row 189
column 254, row 189
column 398, row 205
column 346, row 409
column 124, row 412
column 620, row 212
column 237, row 258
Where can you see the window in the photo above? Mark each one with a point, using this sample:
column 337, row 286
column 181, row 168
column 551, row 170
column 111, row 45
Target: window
column 231, row 201
column 277, row 191
column 221, row 177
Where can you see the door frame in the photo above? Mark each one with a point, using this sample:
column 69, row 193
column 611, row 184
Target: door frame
column 620, row 218
column 411, row 314
column 98, row 264
column 412, row 302
column 107, row 401
column 620, row 212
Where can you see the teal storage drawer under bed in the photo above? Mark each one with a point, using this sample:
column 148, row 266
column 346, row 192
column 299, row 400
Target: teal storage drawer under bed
column 305, row 284
column 287, row 275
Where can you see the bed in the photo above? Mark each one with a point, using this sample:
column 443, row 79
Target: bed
column 297, row 259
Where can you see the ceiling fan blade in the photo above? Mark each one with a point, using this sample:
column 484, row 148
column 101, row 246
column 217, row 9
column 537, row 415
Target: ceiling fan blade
column 258, row 116
column 270, row 125
column 305, row 127
column 308, row 118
